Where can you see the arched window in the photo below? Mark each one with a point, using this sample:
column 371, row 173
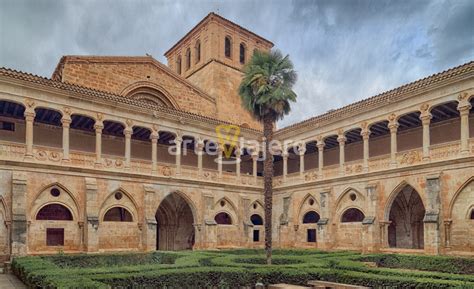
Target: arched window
column 472, row 214
column 188, row 58
column 178, row 65
column 54, row 212
column 310, row 217
column 242, row 53
column 352, row 215
column 118, row 214
column 256, row 220
column 197, row 49
column 228, row 47
column 223, row 219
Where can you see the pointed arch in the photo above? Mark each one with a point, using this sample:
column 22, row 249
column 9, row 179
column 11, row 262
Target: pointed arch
column 228, row 208
column 394, row 194
column 42, row 198
column 456, row 195
column 347, row 191
column 304, row 206
column 5, row 208
column 110, row 202
column 175, row 217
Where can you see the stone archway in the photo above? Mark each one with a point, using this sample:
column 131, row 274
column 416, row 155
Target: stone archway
column 175, row 230
column 406, row 229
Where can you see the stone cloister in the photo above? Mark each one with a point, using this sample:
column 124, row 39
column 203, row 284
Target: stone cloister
column 121, row 153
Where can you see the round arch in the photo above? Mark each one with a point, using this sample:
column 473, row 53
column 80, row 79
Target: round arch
column 310, row 217
column 150, row 92
column 352, row 215
column 68, row 217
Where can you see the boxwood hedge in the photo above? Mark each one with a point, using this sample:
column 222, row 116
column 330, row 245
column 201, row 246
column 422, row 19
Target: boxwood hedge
column 241, row 268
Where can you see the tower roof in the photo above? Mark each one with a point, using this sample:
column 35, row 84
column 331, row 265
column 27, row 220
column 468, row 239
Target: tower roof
column 213, row 16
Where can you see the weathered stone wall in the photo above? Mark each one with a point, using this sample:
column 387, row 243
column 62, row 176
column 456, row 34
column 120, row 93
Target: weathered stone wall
column 117, row 75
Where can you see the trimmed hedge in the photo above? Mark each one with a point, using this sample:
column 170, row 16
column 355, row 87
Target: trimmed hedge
column 428, row 263
column 235, row 268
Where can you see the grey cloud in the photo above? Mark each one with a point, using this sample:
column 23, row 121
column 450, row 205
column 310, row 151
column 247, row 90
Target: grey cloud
column 343, row 50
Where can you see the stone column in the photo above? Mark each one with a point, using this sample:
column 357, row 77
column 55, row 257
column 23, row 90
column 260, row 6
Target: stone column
column 431, row 221
column 199, row 152
column 128, row 144
column 320, row 144
column 66, row 122
column 425, row 117
column 178, row 142
column 98, row 142
column 365, row 133
column 254, row 164
column 19, row 227
column 301, row 152
column 393, row 127
column 220, row 149
column 341, row 139
column 284, row 155
column 370, row 231
column 324, row 234
column 29, row 119
column 149, row 230
column 237, row 161
column 154, row 136
column 92, row 214
column 463, row 107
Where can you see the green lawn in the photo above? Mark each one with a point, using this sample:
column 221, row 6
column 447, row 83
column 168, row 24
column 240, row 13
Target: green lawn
column 234, row 268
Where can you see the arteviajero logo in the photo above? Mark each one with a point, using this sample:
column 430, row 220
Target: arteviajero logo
column 228, row 137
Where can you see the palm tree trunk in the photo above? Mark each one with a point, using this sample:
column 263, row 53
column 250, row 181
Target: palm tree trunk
column 268, row 185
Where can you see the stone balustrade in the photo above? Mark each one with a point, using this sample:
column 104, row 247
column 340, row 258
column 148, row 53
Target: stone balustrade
column 10, row 151
column 438, row 152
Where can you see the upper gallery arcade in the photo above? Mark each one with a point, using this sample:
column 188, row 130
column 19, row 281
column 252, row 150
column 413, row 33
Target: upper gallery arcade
column 121, row 153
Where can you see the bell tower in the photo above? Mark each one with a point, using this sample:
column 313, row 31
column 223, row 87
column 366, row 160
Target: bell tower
column 211, row 56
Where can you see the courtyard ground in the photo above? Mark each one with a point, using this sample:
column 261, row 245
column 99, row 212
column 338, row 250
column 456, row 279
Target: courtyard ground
column 236, row 268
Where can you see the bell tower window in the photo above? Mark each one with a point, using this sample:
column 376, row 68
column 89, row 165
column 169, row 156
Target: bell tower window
column 228, row 47
column 242, row 53
column 188, row 58
column 178, row 65
column 197, row 47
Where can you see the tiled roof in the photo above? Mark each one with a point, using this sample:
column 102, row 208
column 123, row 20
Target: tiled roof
column 381, row 99
column 94, row 94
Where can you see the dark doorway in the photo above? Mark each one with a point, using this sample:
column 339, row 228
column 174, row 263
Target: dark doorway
column 256, row 235
column 175, row 230
column 311, row 236
column 406, row 217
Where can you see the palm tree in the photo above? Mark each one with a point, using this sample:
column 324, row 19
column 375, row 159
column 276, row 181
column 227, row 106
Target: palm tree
column 266, row 91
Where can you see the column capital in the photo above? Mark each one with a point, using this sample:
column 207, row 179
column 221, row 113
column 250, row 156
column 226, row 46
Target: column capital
column 128, row 131
column 464, row 108
column 341, row 140
column 365, row 133
column 66, row 121
column 154, row 135
column 301, row 149
column 393, row 126
column 178, row 139
column 29, row 115
column 284, row 154
column 426, row 118
column 320, row 143
column 98, row 126
column 254, row 155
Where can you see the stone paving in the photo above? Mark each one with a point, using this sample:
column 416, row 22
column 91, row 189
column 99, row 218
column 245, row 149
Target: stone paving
column 9, row 281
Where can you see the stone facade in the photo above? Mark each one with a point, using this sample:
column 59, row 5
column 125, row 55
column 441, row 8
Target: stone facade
column 109, row 155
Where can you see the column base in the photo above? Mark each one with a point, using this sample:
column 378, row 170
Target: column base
column 465, row 152
column 28, row 158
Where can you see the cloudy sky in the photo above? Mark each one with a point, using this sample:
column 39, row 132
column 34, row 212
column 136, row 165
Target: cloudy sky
column 343, row 50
